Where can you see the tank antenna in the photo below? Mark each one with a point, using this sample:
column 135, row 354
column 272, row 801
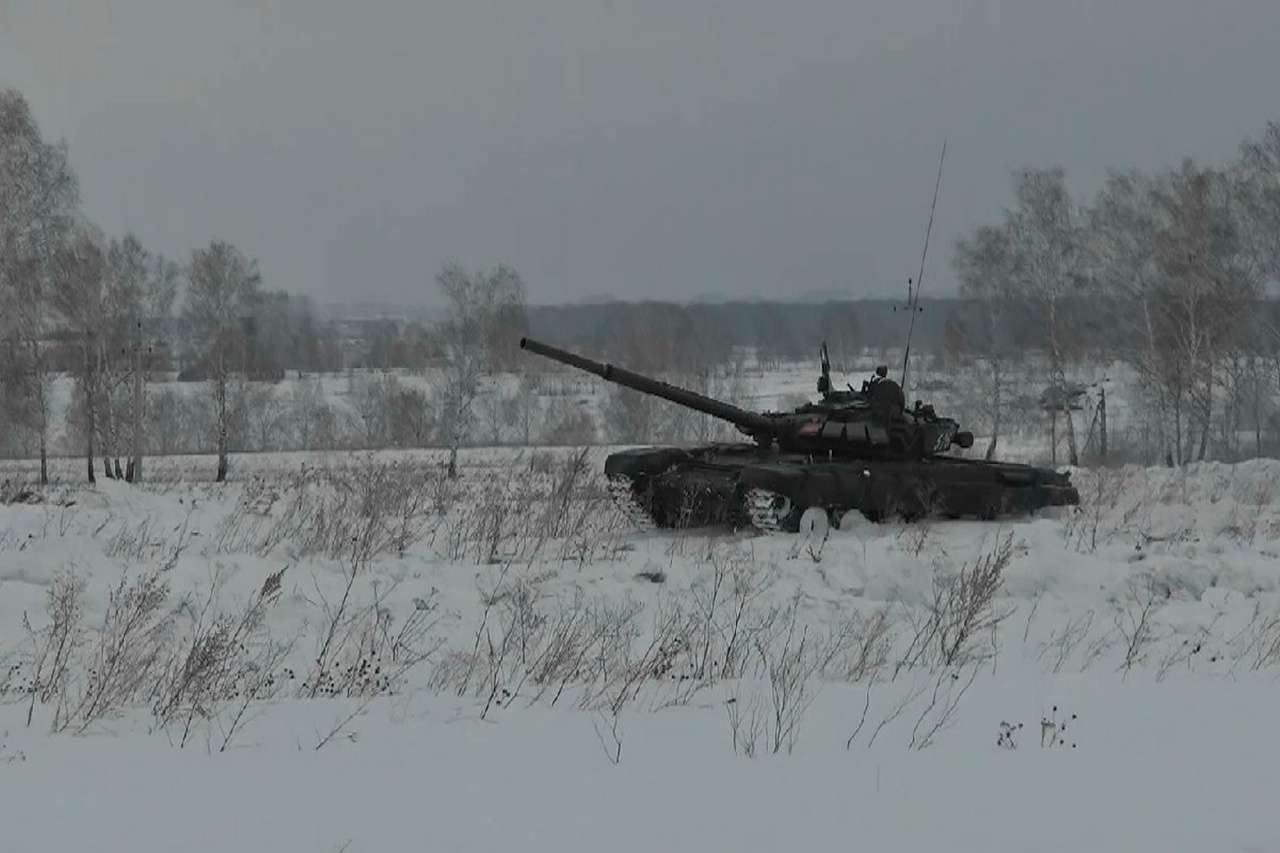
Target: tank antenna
column 913, row 298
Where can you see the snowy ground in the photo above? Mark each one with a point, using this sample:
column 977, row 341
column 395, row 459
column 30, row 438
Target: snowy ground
column 549, row 679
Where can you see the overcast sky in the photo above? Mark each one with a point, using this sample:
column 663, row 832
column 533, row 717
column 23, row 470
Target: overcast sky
column 629, row 148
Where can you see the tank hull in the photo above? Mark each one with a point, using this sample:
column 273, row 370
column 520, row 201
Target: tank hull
column 742, row 485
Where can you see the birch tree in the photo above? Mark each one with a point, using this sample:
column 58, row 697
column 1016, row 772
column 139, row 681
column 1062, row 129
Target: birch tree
column 39, row 201
column 1170, row 249
column 987, row 266
column 1050, row 241
column 79, row 295
column 223, row 288
column 486, row 308
column 124, row 277
column 1209, row 284
column 1124, row 221
column 152, row 328
column 1258, row 190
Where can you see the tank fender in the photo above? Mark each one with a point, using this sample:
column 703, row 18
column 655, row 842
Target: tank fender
column 644, row 462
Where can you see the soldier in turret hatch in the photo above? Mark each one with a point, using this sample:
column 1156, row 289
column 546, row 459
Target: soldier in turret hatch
column 886, row 394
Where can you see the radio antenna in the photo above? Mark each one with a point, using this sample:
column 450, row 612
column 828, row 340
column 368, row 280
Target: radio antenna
column 913, row 298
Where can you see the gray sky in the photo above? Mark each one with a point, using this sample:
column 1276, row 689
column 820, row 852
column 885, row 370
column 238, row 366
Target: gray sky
column 631, row 148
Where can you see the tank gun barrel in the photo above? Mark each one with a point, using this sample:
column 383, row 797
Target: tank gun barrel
column 759, row 426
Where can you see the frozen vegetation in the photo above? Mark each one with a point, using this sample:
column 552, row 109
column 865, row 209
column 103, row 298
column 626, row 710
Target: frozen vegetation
column 392, row 606
column 354, row 651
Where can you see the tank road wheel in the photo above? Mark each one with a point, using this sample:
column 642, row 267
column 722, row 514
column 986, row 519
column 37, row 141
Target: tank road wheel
column 849, row 519
column 815, row 523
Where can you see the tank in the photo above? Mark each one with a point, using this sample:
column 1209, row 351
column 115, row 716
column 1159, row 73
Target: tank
column 860, row 451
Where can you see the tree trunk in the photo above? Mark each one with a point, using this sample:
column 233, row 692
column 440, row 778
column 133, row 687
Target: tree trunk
column 1207, row 406
column 42, row 410
column 222, row 430
column 1053, row 436
column 997, row 413
column 1204, row 443
column 1257, row 411
column 134, row 473
column 1102, row 422
column 107, row 438
column 997, row 383
column 1073, row 455
column 105, row 444
column 220, row 395
column 91, row 420
column 90, row 434
column 1177, row 426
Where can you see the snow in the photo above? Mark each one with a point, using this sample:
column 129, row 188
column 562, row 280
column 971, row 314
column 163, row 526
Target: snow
column 1168, row 768
column 1148, row 622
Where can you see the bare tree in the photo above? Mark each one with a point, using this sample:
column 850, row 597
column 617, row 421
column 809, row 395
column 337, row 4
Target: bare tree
column 1038, row 255
column 1051, row 244
column 314, row 425
column 487, row 308
column 1123, row 224
column 986, row 264
column 124, row 277
column 153, row 328
column 1209, row 284
column 167, row 410
column 1169, row 250
column 523, row 408
column 368, row 396
column 141, row 289
column 39, row 200
column 79, row 295
column 266, row 417
column 1257, row 185
column 223, row 289
column 630, row 416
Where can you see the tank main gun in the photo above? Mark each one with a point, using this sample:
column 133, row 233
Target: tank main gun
column 870, row 423
column 761, row 428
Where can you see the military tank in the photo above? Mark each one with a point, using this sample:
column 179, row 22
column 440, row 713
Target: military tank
column 852, row 451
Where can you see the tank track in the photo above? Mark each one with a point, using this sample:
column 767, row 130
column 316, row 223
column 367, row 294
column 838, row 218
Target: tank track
column 622, row 490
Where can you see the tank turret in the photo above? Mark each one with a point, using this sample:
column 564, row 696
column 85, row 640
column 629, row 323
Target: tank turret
column 861, row 451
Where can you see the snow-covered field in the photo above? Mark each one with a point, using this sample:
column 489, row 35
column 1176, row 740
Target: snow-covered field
column 351, row 652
